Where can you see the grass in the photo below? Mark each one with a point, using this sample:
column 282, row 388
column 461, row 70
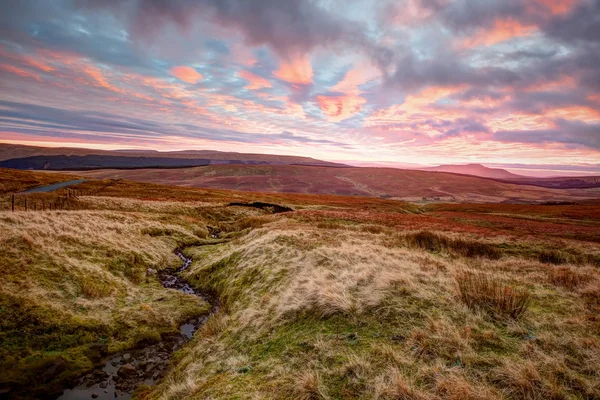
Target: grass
column 436, row 243
column 480, row 291
column 70, row 280
column 344, row 298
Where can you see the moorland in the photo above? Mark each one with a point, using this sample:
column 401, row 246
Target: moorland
column 344, row 297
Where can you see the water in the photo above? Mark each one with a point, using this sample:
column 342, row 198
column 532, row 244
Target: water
column 123, row 372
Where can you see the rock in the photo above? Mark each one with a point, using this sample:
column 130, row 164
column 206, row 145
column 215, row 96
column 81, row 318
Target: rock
column 352, row 336
column 94, row 396
column 100, row 375
column 126, row 357
column 104, row 384
column 151, row 271
column 52, row 369
column 127, row 371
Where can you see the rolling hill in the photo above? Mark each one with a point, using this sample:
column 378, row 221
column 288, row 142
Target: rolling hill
column 23, row 157
column 476, row 170
column 376, row 182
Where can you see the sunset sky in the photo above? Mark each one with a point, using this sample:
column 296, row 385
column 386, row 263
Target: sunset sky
column 417, row 81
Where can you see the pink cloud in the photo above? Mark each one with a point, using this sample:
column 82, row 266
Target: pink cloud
column 254, row 81
column 297, row 70
column 186, row 74
column 500, row 31
column 338, row 108
column 19, row 71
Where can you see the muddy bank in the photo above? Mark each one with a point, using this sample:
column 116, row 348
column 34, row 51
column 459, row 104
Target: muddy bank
column 124, row 372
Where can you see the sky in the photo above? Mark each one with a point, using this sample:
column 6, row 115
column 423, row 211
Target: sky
column 500, row 82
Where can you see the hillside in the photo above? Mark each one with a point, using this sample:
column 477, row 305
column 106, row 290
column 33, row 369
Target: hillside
column 379, row 182
column 476, row 170
column 15, row 152
column 343, row 297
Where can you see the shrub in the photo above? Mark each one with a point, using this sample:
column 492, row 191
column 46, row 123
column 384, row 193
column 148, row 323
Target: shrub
column 478, row 291
column 427, row 241
column 475, row 249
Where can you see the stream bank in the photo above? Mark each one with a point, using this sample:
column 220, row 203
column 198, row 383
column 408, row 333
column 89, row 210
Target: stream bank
column 122, row 373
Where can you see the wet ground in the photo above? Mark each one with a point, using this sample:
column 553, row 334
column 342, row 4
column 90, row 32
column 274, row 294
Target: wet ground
column 123, row 372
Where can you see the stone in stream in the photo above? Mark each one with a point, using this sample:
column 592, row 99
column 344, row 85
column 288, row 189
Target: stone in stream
column 127, row 371
column 126, row 357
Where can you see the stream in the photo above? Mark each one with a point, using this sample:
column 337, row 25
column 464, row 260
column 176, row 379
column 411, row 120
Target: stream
column 123, row 372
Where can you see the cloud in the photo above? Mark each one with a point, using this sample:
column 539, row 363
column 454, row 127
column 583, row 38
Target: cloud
column 568, row 132
column 186, row 74
column 255, row 82
column 298, row 70
column 339, row 108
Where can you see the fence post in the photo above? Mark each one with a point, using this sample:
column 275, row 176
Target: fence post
column 13, row 203
column 34, row 206
column 25, row 204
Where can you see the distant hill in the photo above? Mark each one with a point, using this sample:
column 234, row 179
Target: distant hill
column 388, row 183
column 476, row 170
column 32, row 157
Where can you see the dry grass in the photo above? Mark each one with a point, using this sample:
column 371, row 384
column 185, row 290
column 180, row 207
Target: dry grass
column 481, row 291
column 568, row 277
column 466, row 248
column 343, row 299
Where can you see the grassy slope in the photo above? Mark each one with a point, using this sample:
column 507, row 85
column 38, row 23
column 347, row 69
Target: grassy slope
column 14, row 180
column 72, row 279
column 336, row 300
column 378, row 182
column 346, row 310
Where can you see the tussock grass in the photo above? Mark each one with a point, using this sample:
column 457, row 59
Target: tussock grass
column 568, row 277
column 480, row 291
column 309, row 387
column 436, row 243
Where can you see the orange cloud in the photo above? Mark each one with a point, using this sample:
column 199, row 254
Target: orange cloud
column 255, row 81
column 558, row 7
column 18, row 71
column 298, row 70
column 502, row 30
column 338, row 108
column 186, row 74
column 99, row 79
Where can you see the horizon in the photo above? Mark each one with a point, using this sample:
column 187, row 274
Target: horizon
column 511, row 85
column 531, row 171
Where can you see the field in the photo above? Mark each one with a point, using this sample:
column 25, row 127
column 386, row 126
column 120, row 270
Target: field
column 342, row 298
column 407, row 185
